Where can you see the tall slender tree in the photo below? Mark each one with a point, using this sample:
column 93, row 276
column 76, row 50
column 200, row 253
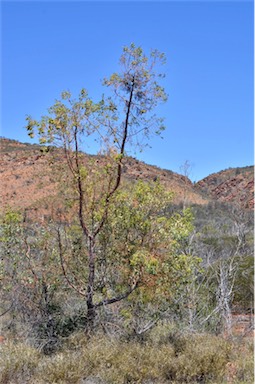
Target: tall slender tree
column 118, row 122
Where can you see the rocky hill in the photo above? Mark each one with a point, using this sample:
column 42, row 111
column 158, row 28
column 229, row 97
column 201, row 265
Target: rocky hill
column 26, row 179
column 233, row 185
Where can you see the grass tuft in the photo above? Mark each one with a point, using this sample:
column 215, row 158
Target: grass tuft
column 162, row 358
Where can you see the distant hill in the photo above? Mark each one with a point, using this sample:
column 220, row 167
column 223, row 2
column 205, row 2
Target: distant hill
column 26, row 179
column 233, row 185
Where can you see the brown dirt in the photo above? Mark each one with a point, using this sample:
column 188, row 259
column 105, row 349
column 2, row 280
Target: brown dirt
column 26, row 176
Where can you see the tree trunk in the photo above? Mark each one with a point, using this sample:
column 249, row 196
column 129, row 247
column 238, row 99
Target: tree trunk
column 91, row 309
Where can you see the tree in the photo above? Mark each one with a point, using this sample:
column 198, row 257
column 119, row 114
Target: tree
column 226, row 247
column 138, row 252
column 116, row 122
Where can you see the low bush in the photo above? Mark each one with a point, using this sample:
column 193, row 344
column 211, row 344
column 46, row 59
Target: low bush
column 199, row 359
column 163, row 358
column 18, row 362
column 241, row 368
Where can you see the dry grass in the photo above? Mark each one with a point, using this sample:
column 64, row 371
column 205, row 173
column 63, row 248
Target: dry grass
column 160, row 359
column 18, row 362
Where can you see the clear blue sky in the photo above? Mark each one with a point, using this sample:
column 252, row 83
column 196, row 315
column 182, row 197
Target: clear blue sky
column 50, row 46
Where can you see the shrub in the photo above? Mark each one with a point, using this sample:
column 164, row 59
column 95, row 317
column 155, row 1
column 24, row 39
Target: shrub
column 162, row 358
column 17, row 362
column 243, row 362
column 199, row 358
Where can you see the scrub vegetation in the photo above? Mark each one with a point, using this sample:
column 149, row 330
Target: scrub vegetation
column 117, row 284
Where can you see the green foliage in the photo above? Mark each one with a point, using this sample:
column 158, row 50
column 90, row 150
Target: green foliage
column 141, row 239
column 10, row 237
column 135, row 85
column 123, row 243
column 243, row 294
column 11, row 226
column 91, row 188
column 137, row 245
column 220, row 214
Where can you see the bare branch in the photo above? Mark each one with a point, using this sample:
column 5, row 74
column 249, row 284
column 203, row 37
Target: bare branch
column 117, row 298
column 7, row 310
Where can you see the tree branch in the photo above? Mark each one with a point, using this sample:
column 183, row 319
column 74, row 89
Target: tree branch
column 63, row 266
column 117, row 298
column 79, row 183
column 122, row 150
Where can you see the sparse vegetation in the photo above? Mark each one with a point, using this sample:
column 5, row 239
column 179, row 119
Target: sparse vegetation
column 173, row 359
column 103, row 280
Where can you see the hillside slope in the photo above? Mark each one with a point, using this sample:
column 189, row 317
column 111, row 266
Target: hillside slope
column 26, row 178
column 233, row 185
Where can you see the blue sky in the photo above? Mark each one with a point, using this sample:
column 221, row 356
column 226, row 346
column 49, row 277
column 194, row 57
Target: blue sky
column 48, row 47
